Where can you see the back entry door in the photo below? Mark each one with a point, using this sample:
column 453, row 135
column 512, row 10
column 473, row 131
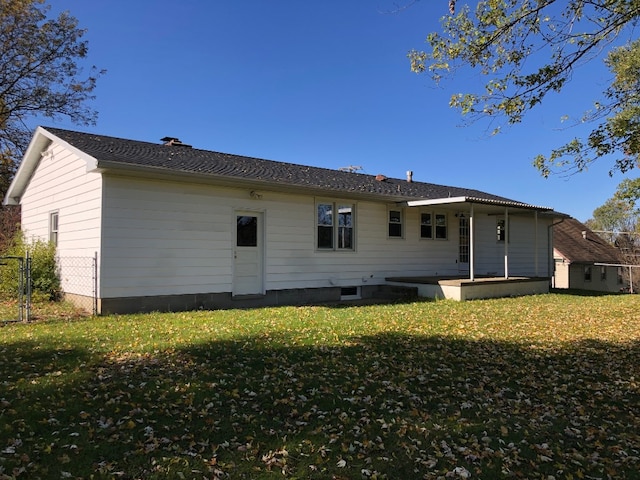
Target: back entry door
column 248, row 269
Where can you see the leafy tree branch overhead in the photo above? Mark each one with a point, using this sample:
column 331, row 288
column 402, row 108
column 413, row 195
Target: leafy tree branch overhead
column 40, row 75
column 529, row 48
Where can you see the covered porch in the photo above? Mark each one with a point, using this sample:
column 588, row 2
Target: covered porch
column 504, row 249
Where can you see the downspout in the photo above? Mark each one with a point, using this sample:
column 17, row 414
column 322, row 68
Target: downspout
column 551, row 263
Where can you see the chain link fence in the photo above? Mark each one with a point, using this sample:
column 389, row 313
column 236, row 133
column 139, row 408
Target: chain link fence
column 15, row 291
column 79, row 281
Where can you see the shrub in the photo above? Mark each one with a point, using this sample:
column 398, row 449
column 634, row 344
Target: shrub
column 45, row 278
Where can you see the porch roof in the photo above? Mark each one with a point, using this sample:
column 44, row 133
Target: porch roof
column 475, row 200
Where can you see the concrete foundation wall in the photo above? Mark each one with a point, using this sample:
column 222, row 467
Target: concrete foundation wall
column 467, row 290
column 222, row 301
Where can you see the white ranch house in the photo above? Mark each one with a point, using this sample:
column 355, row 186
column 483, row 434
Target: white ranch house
column 175, row 228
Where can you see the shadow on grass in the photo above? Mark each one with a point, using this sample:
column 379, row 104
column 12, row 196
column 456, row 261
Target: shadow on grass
column 384, row 406
column 584, row 293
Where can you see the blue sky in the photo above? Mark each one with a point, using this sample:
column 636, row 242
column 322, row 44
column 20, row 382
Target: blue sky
column 319, row 83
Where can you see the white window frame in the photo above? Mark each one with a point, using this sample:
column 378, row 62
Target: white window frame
column 54, row 227
column 435, row 226
column 434, row 216
column 430, row 225
column 336, row 228
column 401, row 223
column 503, row 229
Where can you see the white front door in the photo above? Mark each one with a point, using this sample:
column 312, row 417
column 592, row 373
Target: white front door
column 248, row 266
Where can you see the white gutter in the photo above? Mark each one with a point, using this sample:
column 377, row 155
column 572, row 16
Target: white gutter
column 484, row 201
column 435, row 201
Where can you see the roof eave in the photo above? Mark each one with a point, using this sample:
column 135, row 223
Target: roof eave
column 40, row 143
column 475, row 200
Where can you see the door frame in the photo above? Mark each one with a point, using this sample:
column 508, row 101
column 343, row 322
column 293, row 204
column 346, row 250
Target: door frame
column 260, row 250
column 464, row 240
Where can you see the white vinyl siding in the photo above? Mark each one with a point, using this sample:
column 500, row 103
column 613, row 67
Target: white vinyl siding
column 524, row 238
column 61, row 184
column 166, row 238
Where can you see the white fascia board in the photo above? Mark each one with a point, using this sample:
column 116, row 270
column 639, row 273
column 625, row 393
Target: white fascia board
column 436, row 201
column 92, row 163
column 28, row 164
column 40, row 143
column 481, row 201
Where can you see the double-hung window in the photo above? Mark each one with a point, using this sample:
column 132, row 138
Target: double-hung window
column 433, row 225
column 441, row 226
column 395, row 223
column 335, row 226
column 426, row 225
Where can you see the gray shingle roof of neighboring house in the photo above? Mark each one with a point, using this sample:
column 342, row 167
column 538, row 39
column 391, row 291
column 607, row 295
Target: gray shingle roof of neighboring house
column 578, row 244
column 113, row 152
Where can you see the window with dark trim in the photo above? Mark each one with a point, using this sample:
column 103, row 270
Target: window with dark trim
column 587, row 273
column 603, row 273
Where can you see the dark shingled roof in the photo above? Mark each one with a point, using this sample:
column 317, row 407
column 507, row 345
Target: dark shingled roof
column 569, row 240
column 118, row 152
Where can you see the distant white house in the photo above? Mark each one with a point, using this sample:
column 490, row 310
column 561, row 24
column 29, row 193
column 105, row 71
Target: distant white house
column 583, row 260
column 174, row 227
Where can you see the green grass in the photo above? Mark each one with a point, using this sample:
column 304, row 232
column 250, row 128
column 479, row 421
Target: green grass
column 535, row 387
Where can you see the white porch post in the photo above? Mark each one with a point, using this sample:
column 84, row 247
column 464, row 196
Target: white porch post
column 535, row 243
column 471, row 249
column 506, row 242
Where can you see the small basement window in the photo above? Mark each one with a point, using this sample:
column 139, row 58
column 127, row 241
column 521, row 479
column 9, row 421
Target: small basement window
column 350, row 293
